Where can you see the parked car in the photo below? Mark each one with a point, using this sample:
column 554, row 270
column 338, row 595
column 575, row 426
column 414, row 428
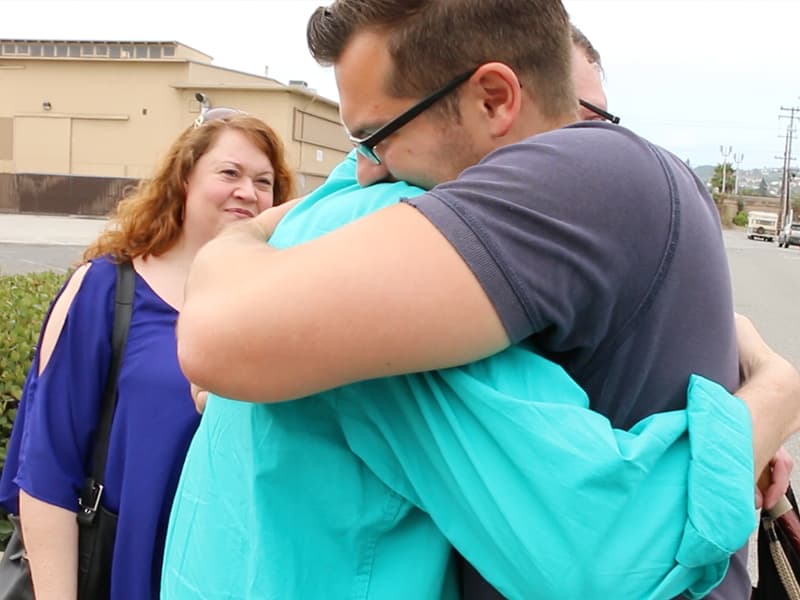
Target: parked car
column 763, row 225
column 790, row 236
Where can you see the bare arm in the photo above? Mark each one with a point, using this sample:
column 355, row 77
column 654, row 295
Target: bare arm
column 268, row 325
column 51, row 542
column 771, row 390
column 51, row 532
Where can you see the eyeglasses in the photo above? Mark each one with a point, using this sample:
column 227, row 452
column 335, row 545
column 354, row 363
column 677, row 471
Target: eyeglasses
column 366, row 145
column 600, row 112
column 213, row 114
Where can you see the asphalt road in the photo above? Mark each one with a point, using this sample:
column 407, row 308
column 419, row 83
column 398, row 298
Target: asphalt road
column 27, row 258
column 766, row 288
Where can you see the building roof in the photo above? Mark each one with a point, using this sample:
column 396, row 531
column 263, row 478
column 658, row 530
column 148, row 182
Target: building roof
column 153, row 50
column 94, row 49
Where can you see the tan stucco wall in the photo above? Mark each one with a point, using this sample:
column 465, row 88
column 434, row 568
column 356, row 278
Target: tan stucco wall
column 42, row 144
column 116, row 118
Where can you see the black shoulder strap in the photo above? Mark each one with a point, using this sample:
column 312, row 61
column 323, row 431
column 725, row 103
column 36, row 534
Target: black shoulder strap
column 123, row 308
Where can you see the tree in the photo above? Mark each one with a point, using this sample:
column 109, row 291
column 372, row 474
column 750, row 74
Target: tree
column 763, row 188
column 730, row 178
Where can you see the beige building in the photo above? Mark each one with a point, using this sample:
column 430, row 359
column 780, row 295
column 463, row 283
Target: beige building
column 82, row 120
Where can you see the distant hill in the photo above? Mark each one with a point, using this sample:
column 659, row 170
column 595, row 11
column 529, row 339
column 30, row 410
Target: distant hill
column 748, row 178
column 704, row 172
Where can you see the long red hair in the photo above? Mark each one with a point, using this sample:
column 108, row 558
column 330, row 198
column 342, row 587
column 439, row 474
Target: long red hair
column 150, row 220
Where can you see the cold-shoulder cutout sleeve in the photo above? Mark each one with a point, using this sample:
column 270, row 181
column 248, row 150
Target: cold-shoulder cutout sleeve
column 63, row 397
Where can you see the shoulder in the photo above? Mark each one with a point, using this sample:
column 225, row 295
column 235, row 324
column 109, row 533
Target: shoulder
column 92, row 282
column 590, row 146
column 339, row 201
column 581, row 170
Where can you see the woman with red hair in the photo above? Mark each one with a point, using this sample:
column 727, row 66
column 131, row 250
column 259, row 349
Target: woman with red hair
column 228, row 166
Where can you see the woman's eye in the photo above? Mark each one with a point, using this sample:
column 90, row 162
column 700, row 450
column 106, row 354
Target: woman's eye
column 230, row 172
column 264, row 183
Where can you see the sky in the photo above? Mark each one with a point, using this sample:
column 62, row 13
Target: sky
column 689, row 75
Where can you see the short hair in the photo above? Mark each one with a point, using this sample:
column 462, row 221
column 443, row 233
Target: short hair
column 431, row 41
column 150, row 220
column 582, row 42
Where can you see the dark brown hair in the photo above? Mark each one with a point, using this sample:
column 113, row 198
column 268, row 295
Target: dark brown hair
column 150, row 220
column 582, row 42
column 431, row 41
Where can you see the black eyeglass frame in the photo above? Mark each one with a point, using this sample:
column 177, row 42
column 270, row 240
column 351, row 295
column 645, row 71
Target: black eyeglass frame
column 366, row 145
column 600, row 112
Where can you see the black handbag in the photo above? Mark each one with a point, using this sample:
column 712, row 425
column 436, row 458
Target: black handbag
column 779, row 552
column 97, row 527
column 15, row 571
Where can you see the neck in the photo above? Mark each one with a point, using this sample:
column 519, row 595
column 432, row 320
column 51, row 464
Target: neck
column 537, row 123
column 182, row 253
column 166, row 274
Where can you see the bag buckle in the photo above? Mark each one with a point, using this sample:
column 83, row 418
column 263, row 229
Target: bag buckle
column 93, row 491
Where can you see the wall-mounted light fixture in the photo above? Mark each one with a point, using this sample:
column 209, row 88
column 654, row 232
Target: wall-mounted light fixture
column 205, row 102
column 46, row 105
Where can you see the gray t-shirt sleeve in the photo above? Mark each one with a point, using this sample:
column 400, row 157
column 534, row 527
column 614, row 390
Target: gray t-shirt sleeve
column 554, row 230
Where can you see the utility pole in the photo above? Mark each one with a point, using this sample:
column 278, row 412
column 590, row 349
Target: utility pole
column 725, row 154
column 785, row 176
column 786, row 180
column 737, row 159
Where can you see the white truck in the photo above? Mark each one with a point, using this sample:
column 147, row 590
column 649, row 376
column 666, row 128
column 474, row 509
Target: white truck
column 762, row 225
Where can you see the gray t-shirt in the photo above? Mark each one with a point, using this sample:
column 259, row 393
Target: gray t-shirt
column 604, row 253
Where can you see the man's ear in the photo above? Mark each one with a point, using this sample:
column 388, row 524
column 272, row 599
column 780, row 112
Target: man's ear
column 500, row 94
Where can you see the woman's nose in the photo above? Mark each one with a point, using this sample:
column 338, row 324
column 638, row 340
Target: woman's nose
column 246, row 189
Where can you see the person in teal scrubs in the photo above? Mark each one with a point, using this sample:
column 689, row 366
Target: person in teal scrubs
column 362, row 491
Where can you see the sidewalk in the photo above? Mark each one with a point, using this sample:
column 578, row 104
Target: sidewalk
column 48, row 230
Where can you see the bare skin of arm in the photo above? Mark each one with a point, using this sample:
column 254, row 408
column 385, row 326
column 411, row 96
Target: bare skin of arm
column 51, row 541
column 312, row 330
column 771, row 390
column 357, row 315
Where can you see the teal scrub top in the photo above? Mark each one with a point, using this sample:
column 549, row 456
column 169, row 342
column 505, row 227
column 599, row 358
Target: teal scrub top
column 359, row 492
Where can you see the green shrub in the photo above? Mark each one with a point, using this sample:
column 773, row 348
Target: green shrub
column 740, row 219
column 24, row 300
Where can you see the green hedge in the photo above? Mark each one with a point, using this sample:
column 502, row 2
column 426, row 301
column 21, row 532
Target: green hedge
column 24, row 300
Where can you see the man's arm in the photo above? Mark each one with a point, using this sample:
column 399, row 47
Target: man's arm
column 384, row 295
column 771, row 390
column 262, row 324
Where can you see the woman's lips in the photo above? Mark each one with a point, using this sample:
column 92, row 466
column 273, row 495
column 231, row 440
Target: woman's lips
column 240, row 212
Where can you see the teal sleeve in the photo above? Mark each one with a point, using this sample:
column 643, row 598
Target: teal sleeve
column 543, row 496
